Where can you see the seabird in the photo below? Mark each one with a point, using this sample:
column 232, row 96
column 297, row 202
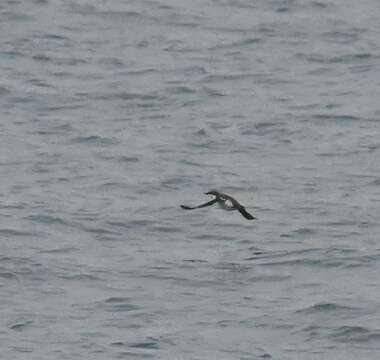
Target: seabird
column 225, row 201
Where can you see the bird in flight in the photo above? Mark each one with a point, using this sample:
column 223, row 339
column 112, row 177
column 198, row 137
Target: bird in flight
column 225, row 201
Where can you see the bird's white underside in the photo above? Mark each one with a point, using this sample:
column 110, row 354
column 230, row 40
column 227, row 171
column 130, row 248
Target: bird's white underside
column 226, row 205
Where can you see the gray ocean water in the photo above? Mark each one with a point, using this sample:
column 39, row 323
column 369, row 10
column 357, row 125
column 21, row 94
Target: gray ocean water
column 113, row 113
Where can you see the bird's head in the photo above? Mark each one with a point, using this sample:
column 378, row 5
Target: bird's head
column 212, row 192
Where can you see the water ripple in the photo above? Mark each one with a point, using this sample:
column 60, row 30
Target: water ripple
column 15, row 232
column 94, row 140
column 120, row 304
column 150, row 343
column 325, row 307
column 46, row 219
column 355, row 334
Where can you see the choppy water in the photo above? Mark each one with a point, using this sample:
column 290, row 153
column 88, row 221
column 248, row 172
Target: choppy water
column 113, row 113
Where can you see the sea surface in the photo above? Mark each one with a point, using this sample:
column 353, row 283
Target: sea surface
column 114, row 113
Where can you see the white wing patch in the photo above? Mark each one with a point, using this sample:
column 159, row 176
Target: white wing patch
column 228, row 205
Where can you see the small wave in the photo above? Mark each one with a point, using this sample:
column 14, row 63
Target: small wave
column 46, row 219
column 139, row 223
column 141, row 72
column 121, row 15
column 319, row 4
column 329, row 257
column 100, row 230
column 55, row 130
column 70, row 61
column 351, row 58
column 375, row 182
column 233, row 267
column 178, row 90
column 10, row 54
column 134, row 355
column 213, row 237
column 341, row 59
column 165, row 229
column 342, row 37
column 42, row 58
column 214, row 92
column 358, row 334
column 237, row 44
column 343, row 222
column 308, row 262
column 20, row 325
column 116, row 299
column 263, row 128
column 94, row 140
column 150, row 343
column 227, row 77
column 118, row 224
column 324, row 307
column 190, row 163
column 128, row 159
column 130, row 96
column 63, row 250
column 337, row 117
column 285, row 253
column 55, row 37
column 174, row 183
column 103, row 234
column 4, row 91
column 7, row 275
column 303, row 231
column 265, row 356
column 195, row 260
column 14, row 232
column 120, row 304
column 82, row 276
column 118, row 343
column 269, row 278
column 362, row 260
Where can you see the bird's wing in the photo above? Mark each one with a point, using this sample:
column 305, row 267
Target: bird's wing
column 245, row 213
column 209, row 203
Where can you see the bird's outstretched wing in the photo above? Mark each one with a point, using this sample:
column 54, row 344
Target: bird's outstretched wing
column 245, row 213
column 209, row 203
